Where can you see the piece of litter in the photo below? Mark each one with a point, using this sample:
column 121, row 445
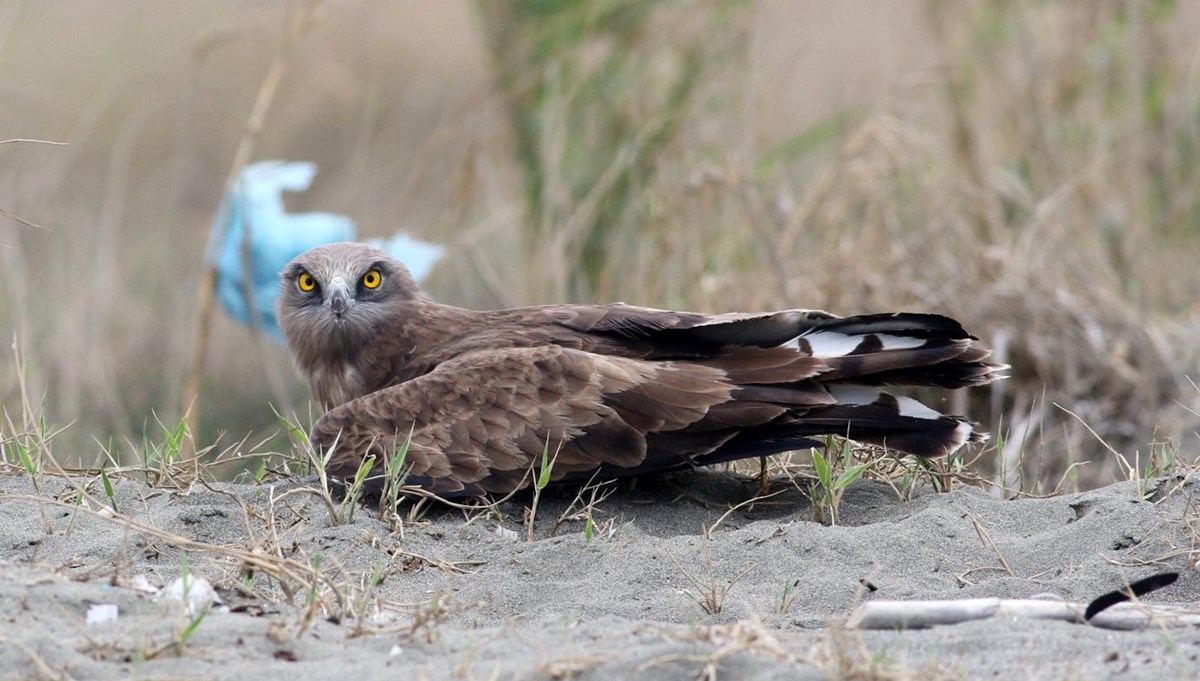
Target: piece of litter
column 142, row 583
column 196, row 593
column 396, row 650
column 505, row 533
column 101, row 613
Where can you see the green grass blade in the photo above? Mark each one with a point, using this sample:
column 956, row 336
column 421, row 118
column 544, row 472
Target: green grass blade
column 543, row 478
column 824, row 475
column 191, row 628
column 108, row 490
column 26, row 461
column 850, row 475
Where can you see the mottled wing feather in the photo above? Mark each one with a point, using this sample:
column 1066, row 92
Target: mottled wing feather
column 481, row 421
column 627, row 321
column 766, row 365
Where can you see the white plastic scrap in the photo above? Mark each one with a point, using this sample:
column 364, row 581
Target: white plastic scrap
column 196, row 593
column 143, row 584
column 505, row 533
column 101, row 613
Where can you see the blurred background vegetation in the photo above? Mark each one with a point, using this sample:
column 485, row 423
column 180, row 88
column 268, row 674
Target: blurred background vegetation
column 1029, row 167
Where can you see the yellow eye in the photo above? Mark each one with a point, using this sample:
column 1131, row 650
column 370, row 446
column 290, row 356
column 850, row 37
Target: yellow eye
column 306, row 282
column 372, row 279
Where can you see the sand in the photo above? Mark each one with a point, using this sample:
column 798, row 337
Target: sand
column 464, row 596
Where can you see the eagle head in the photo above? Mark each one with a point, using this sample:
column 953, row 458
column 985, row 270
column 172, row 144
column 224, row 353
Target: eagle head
column 335, row 299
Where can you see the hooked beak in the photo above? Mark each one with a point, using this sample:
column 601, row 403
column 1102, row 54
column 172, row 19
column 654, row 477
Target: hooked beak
column 339, row 299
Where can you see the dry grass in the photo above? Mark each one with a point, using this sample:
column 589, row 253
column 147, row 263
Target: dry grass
column 1027, row 167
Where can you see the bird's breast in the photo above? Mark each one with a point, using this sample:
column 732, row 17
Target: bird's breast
column 336, row 383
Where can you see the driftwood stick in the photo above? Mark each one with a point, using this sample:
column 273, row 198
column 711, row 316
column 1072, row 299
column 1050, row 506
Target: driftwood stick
column 925, row 614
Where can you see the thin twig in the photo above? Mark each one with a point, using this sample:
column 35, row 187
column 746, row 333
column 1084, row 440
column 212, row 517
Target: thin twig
column 23, row 221
column 301, row 20
column 1130, row 473
column 708, row 531
column 987, row 541
column 33, row 141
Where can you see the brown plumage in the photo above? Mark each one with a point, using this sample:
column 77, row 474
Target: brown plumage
column 615, row 388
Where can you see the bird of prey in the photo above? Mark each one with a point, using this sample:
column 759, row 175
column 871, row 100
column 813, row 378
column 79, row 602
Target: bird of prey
column 613, row 390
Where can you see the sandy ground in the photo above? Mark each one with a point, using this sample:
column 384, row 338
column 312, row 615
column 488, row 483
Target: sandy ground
column 463, row 597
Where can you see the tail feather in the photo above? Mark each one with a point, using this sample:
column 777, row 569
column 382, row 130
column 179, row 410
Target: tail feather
column 929, row 353
column 907, row 324
column 899, row 349
column 859, row 413
column 951, row 375
column 899, row 422
column 841, row 383
column 859, row 355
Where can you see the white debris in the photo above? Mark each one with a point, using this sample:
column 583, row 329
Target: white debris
column 395, row 651
column 101, row 613
column 143, row 584
column 196, row 593
column 505, row 533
